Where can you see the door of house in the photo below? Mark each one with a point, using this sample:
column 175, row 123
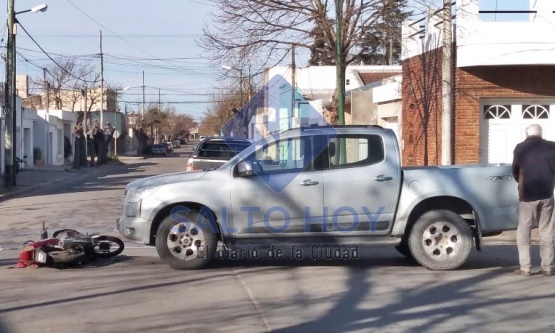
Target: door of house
column 504, row 125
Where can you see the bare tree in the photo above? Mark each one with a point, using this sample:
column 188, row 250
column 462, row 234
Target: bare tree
column 67, row 79
column 182, row 124
column 224, row 102
column 245, row 31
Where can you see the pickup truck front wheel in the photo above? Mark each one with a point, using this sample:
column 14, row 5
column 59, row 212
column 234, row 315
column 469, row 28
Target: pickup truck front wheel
column 186, row 245
column 440, row 240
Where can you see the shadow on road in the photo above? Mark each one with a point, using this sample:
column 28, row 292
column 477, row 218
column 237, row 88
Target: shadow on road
column 106, row 178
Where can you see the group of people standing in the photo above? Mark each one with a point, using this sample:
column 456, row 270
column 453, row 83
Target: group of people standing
column 95, row 145
column 534, row 169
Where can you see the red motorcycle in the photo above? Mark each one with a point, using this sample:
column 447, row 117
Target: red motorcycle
column 68, row 247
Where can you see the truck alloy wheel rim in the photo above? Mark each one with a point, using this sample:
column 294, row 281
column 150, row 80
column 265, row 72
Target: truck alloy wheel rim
column 186, row 241
column 441, row 241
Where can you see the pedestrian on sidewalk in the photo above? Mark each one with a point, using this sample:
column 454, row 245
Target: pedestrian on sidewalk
column 534, row 170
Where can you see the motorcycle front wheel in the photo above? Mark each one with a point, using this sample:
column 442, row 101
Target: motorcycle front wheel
column 108, row 246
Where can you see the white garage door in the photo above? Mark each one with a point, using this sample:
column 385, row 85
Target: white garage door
column 504, row 127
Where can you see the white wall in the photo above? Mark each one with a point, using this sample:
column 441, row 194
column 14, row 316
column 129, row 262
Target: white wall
column 482, row 43
column 318, row 80
column 2, row 151
column 58, row 122
column 26, row 137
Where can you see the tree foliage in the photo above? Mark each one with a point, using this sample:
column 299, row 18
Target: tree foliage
column 381, row 44
column 262, row 32
column 224, row 104
column 163, row 122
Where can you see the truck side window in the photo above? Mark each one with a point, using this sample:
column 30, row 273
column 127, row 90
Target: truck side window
column 287, row 155
column 353, row 150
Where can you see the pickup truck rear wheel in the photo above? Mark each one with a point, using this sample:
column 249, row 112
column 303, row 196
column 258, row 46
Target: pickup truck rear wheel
column 440, row 240
column 186, row 245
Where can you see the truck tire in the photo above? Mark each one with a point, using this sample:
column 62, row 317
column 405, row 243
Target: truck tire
column 403, row 248
column 440, row 240
column 186, row 245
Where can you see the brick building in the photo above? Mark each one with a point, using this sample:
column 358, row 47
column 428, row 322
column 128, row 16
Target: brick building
column 503, row 80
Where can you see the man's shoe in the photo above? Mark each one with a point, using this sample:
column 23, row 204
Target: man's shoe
column 547, row 273
column 518, row 271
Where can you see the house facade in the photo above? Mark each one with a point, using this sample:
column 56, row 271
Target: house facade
column 61, row 109
column 24, row 136
column 503, row 70
column 279, row 106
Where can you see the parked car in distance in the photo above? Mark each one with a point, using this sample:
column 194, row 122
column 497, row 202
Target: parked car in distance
column 176, row 144
column 183, row 141
column 159, row 149
column 202, row 137
column 213, row 152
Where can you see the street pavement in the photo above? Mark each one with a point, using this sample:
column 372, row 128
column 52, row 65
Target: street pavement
column 381, row 291
column 29, row 180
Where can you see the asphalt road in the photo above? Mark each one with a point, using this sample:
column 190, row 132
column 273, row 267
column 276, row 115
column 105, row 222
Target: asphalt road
column 136, row 292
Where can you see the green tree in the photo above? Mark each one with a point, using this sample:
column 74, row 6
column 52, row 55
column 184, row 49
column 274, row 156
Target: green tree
column 319, row 50
column 381, row 43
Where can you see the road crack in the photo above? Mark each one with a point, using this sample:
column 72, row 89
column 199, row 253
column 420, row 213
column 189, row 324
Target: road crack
column 250, row 296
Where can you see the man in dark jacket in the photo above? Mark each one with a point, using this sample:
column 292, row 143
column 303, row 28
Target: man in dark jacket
column 534, row 170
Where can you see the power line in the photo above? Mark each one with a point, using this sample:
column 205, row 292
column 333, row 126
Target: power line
column 48, row 55
column 106, row 28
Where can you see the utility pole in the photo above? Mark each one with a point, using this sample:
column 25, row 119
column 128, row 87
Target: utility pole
column 85, row 125
column 339, row 63
column 240, row 88
column 159, row 110
column 390, row 50
column 293, row 83
column 101, row 84
column 46, row 118
column 339, row 66
column 446, row 88
column 10, row 100
column 143, row 106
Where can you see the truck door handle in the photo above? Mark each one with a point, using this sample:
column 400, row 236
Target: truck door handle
column 382, row 178
column 309, row 182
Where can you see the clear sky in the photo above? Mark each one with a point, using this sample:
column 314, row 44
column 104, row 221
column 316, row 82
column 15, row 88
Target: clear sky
column 157, row 37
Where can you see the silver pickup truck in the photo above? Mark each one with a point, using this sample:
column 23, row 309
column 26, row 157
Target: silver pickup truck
column 319, row 187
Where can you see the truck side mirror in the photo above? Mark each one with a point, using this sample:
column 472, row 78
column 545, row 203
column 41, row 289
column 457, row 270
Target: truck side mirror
column 244, row 169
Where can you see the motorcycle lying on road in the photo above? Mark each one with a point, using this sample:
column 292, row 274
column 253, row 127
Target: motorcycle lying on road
column 68, row 247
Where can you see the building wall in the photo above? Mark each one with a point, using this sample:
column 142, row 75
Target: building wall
column 473, row 84
column 59, row 124
column 363, row 110
column 421, row 126
column 421, row 109
column 504, row 41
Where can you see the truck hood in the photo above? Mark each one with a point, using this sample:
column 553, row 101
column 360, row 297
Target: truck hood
column 165, row 179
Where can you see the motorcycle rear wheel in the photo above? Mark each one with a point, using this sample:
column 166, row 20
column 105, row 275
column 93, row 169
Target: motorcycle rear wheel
column 108, row 246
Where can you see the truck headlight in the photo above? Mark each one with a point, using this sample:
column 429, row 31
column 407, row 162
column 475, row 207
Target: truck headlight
column 139, row 194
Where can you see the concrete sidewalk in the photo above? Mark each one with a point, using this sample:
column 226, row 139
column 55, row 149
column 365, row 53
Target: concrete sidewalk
column 32, row 179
